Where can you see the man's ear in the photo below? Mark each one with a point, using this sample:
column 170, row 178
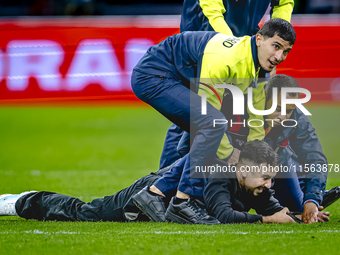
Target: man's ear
column 258, row 39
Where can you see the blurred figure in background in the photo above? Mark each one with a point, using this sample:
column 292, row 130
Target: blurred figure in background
column 231, row 17
column 79, row 7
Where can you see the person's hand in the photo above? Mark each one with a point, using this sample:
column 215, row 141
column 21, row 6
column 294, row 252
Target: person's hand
column 310, row 213
column 233, row 160
column 279, row 217
column 322, row 216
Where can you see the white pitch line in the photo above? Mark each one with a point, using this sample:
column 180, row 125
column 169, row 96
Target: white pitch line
column 36, row 231
column 39, row 232
column 185, row 232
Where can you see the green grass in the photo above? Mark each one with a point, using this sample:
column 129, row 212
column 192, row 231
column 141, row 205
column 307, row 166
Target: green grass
column 93, row 152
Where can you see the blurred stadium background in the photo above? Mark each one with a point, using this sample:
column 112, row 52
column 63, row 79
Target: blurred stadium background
column 70, row 123
column 84, row 50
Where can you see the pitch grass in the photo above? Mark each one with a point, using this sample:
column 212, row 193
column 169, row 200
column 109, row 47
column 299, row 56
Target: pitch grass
column 93, row 152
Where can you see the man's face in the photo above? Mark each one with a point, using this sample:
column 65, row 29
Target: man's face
column 271, row 51
column 276, row 115
column 255, row 182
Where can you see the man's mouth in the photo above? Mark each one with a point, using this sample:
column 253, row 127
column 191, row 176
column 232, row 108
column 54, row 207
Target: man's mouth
column 273, row 63
column 260, row 189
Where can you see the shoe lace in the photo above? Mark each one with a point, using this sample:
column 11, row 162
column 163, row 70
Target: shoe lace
column 198, row 207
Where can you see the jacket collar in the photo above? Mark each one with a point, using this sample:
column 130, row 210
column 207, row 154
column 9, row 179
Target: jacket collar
column 254, row 52
column 255, row 58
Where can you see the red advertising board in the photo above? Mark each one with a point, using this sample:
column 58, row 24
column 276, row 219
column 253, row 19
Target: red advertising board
column 52, row 60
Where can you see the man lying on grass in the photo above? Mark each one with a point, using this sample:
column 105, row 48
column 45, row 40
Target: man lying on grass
column 237, row 191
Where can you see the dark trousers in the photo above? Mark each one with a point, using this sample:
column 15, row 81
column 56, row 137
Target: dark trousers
column 169, row 152
column 183, row 107
column 180, row 177
column 289, row 189
column 53, row 206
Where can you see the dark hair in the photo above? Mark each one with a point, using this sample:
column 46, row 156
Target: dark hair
column 281, row 81
column 279, row 27
column 259, row 152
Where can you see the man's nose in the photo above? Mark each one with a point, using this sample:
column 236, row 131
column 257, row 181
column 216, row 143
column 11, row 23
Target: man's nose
column 279, row 56
column 268, row 183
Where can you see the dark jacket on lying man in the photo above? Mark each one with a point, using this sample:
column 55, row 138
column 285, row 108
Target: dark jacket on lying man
column 229, row 203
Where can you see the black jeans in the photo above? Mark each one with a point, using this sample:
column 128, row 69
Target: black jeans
column 53, row 206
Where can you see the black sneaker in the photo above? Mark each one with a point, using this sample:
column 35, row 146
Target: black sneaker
column 191, row 212
column 152, row 206
column 331, row 196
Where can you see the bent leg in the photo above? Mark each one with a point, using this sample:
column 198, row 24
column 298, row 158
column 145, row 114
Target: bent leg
column 183, row 107
column 169, row 181
column 169, row 152
column 289, row 194
column 288, row 191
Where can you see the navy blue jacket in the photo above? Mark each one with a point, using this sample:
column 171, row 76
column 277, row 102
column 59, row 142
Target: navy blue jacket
column 177, row 57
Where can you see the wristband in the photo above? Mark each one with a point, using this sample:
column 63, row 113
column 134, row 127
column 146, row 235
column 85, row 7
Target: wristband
column 311, row 201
